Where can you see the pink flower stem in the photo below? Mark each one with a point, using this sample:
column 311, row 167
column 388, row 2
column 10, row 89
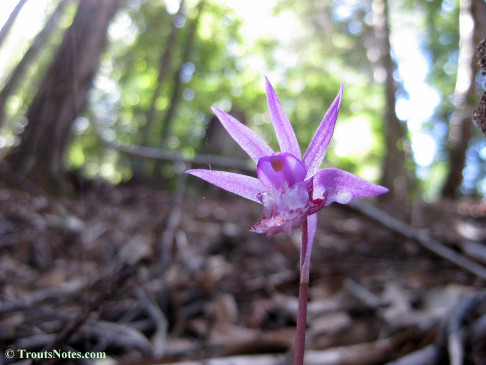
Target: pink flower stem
column 301, row 325
column 299, row 345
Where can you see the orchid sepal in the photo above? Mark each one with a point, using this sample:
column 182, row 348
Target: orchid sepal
column 245, row 186
column 249, row 141
column 286, row 137
column 317, row 149
column 335, row 185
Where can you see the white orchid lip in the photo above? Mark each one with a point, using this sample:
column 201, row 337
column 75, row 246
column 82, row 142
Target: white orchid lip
column 283, row 210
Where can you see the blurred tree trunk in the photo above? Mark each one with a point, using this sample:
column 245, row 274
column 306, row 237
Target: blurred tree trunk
column 394, row 173
column 37, row 44
column 480, row 112
column 177, row 83
column 163, row 69
column 176, row 90
column 10, row 21
column 472, row 23
column 62, row 95
column 164, row 66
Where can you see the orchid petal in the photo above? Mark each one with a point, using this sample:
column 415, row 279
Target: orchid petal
column 281, row 170
column 251, row 142
column 284, row 131
column 317, row 148
column 342, row 186
column 246, row 186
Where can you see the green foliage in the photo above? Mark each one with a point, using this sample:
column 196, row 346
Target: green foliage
column 310, row 48
column 330, row 47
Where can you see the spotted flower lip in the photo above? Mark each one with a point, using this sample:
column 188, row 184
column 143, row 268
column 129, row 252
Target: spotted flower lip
column 292, row 188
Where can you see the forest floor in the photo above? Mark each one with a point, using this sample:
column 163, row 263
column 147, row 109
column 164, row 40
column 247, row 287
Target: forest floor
column 145, row 278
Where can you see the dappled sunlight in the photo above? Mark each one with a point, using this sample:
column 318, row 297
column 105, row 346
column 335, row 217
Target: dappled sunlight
column 29, row 22
column 353, row 137
column 117, row 116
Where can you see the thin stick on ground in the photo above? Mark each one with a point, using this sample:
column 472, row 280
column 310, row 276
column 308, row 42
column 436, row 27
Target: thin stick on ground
column 421, row 237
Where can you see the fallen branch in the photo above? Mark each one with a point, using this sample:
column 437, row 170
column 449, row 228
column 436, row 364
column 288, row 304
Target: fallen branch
column 160, row 323
column 419, row 236
column 21, row 181
column 113, row 284
column 367, row 298
column 238, row 360
column 456, row 326
column 28, row 301
column 428, row 355
column 455, row 336
column 159, row 154
column 172, row 221
column 109, row 282
column 366, row 353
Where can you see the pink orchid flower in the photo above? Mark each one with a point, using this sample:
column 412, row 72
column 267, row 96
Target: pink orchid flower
column 291, row 188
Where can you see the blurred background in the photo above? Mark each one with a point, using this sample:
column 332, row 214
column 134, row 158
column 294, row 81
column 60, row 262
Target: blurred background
column 106, row 246
column 409, row 71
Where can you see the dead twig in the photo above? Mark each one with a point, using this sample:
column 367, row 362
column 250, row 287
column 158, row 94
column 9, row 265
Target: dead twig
column 366, row 353
column 419, row 236
column 376, row 352
column 454, row 336
column 369, row 299
column 71, row 287
column 172, row 222
column 455, row 327
column 22, row 182
column 428, row 355
column 160, row 322
column 123, row 336
column 159, row 154
column 111, row 284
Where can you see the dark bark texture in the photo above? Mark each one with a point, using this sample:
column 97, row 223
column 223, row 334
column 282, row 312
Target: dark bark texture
column 461, row 125
column 394, row 174
column 480, row 112
column 62, row 94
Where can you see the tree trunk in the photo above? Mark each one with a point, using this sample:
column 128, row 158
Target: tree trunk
column 62, row 95
column 394, row 174
column 460, row 124
column 163, row 69
column 10, row 21
column 176, row 93
column 480, row 112
column 164, row 65
column 176, row 88
column 16, row 75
